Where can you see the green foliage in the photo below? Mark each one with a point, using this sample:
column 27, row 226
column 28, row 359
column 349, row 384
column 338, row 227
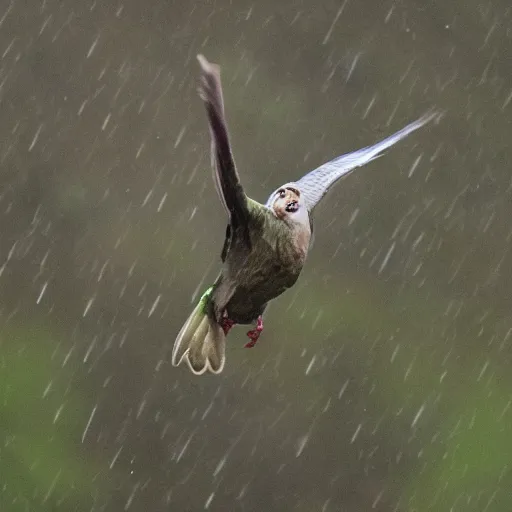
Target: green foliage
column 470, row 468
column 40, row 418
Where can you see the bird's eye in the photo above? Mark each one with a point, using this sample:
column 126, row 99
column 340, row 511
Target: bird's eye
column 282, row 193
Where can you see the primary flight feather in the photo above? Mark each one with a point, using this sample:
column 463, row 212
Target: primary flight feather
column 266, row 244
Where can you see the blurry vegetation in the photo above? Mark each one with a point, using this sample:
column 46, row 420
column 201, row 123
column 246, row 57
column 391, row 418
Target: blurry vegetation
column 470, row 467
column 41, row 421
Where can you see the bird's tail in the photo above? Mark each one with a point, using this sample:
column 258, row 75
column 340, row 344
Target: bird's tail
column 201, row 343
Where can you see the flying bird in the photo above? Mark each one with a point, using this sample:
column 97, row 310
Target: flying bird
column 265, row 246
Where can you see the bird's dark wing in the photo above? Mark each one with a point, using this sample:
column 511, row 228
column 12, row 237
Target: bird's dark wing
column 315, row 184
column 226, row 177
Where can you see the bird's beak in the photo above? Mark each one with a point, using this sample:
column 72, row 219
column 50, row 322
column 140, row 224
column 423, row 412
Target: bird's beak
column 292, row 206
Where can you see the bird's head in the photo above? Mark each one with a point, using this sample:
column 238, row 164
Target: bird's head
column 289, row 205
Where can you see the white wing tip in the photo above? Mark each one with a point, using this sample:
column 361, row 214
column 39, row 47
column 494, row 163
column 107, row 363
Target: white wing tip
column 430, row 115
column 208, row 67
column 207, row 368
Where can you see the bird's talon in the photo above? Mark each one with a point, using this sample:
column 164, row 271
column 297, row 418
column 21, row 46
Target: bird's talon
column 253, row 335
column 226, row 325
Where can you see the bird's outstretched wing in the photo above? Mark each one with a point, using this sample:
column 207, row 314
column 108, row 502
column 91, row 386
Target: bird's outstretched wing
column 225, row 176
column 315, row 184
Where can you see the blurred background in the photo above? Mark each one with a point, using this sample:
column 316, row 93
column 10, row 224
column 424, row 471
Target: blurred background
column 382, row 381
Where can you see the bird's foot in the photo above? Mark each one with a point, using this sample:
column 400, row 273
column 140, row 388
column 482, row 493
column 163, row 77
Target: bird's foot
column 226, row 325
column 254, row 334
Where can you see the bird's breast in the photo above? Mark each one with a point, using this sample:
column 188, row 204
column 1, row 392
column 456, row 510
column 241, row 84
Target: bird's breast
column 263, row 271
column 301, row 241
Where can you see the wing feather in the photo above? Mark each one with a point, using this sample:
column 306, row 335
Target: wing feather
column 225, row 174
column 316, row 183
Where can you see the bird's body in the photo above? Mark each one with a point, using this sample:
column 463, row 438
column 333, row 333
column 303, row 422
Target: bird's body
column 266, row 245
column 259, row 266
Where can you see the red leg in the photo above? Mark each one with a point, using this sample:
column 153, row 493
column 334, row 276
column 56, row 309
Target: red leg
column 255, row 333
column 226, row 324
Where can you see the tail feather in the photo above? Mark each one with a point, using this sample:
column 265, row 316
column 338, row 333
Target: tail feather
column 182, row 342
column 201, row 343
column 215, row 348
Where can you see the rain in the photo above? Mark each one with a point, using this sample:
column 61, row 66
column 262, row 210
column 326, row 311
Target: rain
column 382, row 378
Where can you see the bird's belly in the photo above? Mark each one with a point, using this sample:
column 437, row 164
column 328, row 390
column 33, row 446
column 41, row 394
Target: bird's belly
column 252, row 295
column 256, row 276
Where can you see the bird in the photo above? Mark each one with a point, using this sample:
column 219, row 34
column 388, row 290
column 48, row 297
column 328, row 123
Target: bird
column 266, row 244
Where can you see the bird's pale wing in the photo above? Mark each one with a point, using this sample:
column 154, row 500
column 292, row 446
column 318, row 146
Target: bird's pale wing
column 225, row 176
column 315, row 184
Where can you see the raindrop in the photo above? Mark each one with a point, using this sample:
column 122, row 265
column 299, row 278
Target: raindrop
column 105, row 122
column 36, row 136
column 507, row 101
column 57, row 414
column 132, row 495
column 139, row 151
column 161, row 204
column 414, row 165
column 386, row 258
column 89, row 350
column 2, row 19
column 377, row 499
column 352, row 67
column 93, row 412
column 209, row 501
column 302, row 444
column 43, row 289
column 179, row 137
column 154, row 306
column 418, row 415
column 482, row 371
column 343, row 389
column 356, row 433
column 369, row 107
column 310, row 365
column 116, row 456
column 88, row 306
column 184, row 449
column 220, row 465
column 331, row 28
column 54, row 481
column 93, row 45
